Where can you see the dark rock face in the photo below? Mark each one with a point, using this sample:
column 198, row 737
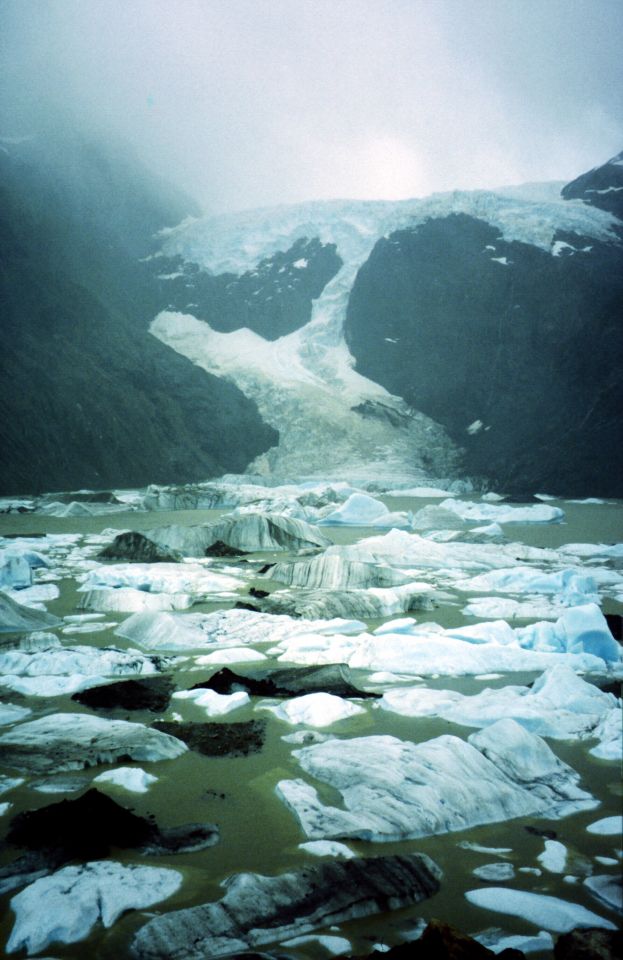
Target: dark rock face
column 591, row 943
column 218, row 739
column 527, row 353
column 84, row 829
column 601, row 187
column 146, row 693
column 332, row 678
column 81, row 379
column 257, row 910
column 88, row 828
column 220, row 549
column 136, row 546
column 273, row 300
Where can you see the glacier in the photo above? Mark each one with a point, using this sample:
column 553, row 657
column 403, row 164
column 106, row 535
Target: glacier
column 304, row 383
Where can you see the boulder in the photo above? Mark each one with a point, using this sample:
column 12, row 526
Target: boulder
column 133, row 545
column 332, row 678
column 146, row 693
column 218, row 739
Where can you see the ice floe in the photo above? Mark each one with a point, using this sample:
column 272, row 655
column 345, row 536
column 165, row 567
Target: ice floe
column 503, row 513
column 370, row 603
column 550, row 913
column 64, row 907
column 256, row 909
column 607, row 888
column 51, row 669
column 168, row 578
column 554, row 856
column 314, row 709
column 69, row 741
column 129, row 778
column 498, row 940
column 571, row 587
column 215, row 704
column 223, row 628
column 422, row 650
column 607, row 827
column 396, row 790
column 248, row 532
column 559, row 704
column 361, row 510
column 17, row 618
column 330, row 572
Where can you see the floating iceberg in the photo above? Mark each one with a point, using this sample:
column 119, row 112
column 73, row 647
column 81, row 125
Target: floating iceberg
column 396, row 790
column 65, row 906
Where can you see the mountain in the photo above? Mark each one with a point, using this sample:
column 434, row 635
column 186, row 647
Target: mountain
column 601, row 187
column 471, row 333
column 89, row 398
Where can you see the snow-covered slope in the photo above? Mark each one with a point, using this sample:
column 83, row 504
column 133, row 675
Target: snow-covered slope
column 331, row 419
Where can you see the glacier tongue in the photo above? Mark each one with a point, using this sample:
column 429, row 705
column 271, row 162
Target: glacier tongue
column 304, row 383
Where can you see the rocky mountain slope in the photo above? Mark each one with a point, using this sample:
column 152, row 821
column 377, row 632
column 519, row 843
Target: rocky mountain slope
column 88, row 397
column 464, row 334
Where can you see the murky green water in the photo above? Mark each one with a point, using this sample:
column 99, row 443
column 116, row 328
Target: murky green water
column 257, row 831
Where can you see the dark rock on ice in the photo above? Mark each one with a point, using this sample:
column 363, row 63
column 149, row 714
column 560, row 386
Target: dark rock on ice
column 136, row 546
column 187, row 838
column 243, row 605
column 590, row 943
column 257, row 910
column 89, row 828
column 332, row 678
column 218, row 739
column 84, row 496
column 220, row 549
column 146, row 693
column 83, row 829
column 260, row 594
column 248, row 532
column 540, row 832
column 16, row 618
column 362, row 604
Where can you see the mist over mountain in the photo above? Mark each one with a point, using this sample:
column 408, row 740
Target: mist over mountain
column 89, row 398
column 466, row 334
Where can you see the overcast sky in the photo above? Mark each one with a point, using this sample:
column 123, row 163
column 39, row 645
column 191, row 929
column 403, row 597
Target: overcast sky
column 246, row 103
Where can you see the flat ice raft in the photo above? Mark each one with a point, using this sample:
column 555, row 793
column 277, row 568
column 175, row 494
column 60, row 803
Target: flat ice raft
column 396, row 790
column 71, row 741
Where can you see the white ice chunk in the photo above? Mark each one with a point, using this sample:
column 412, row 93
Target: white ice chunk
column 129, row 778
column 554, row 856
column 315, row 709
column 395, row 790
column 327, row 848
column 607, row 827
column 215, row 704
column 550, row 913
column 495, row 872
column 64, row 907
column 505, row 513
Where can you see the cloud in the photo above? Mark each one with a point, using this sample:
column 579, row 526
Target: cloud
column 254, row 102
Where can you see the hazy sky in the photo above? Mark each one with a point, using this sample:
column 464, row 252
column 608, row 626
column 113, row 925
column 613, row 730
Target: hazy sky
column 252, row 102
